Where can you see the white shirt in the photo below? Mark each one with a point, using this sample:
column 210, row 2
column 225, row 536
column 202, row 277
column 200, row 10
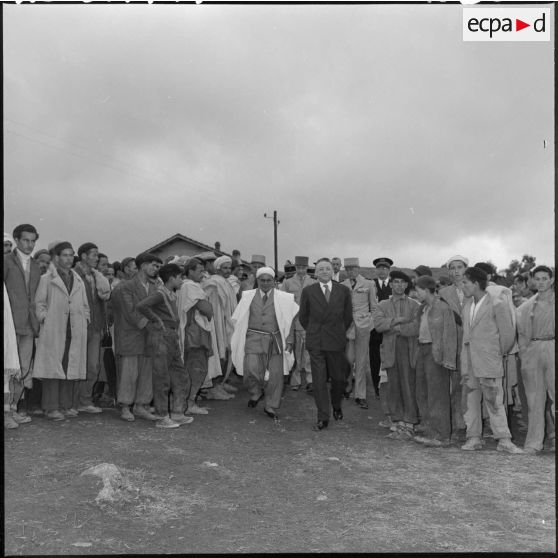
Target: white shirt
column 474, row 309
column 382, row 283
column 328, row 285
column 336, row 276
column 23, row 258
column 262, row 294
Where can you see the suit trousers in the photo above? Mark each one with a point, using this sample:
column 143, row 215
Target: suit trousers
column 93, row 367
column 254, row 372
column 196, row 367
column 332, row 365
column 433, row 395
column 538, row 373
column 135, row 383
column 169, row 376
column 60, row 395
column 302, row 359
column 401, row 385
column 492, row 391
column 25, row 351
column 375, row 360
column 357, row 355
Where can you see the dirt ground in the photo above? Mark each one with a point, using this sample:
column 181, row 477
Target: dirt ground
column 234, row 482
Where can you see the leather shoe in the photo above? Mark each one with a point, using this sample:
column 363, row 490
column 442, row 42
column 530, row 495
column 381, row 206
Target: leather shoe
column 253, row 403
column 320, row 425
column 338, row 414
column 271, row 414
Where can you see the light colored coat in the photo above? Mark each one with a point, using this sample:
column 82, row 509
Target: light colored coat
column 363, row 298
column 52, row 306
column 222, row 297
column 286, row 310
column 487, row 339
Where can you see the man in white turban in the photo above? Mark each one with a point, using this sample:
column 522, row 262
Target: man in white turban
column 262, row 342
column 222, row 297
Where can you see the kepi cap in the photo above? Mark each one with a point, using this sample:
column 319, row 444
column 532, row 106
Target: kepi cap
column 385, row 262
column 257, row 258
column 351, row 262
column 301, row 260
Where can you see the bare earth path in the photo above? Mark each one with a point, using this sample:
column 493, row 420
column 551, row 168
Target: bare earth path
column 233, row 482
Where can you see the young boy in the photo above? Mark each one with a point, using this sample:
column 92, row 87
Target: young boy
column 169, row 374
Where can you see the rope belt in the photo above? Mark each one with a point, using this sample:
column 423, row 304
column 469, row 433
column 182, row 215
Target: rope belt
column 275, row 341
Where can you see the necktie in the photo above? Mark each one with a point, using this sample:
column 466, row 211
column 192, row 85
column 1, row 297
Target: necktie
column 326, row 292
column 264, row 298
column 353, row 283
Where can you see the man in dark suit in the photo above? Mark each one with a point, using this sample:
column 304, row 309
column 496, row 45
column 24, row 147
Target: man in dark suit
column 21, row 278
column 326, row 313
column 383, row 292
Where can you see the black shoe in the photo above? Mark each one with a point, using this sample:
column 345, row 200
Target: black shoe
column 338, row 415
column 320, row 425
column 271, row 414
column 363, row 404
column 253, row 403
column 309, row 388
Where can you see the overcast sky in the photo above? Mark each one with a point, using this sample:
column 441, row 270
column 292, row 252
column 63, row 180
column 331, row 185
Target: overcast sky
column 372, row 130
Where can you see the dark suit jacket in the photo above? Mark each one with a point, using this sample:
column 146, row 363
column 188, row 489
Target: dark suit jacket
column 22, row 299
column 382, row 293
column 326, row 324
column 129, row 324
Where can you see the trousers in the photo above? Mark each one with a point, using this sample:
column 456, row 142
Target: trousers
column 59, row 394
column 538, row 374
column 332, row 365
column 195, row 362
column 358, row 356
column 433, row 395
column 302, row 359
column 93, row 367
column 402, row 384
column 492, row 392
column 135, row 383
column 169, row 376
column 254, row 378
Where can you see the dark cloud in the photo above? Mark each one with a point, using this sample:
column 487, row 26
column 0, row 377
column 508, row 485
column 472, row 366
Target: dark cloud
column 371, row 129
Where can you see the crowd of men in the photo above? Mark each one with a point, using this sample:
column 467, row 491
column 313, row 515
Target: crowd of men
column 446, row 359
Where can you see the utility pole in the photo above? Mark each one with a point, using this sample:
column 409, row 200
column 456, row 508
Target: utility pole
column 275, row 223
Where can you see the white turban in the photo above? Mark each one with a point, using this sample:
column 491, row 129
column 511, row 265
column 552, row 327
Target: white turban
column 8, row 238
column 221, row 260
column 265, row 271
column 459, row 259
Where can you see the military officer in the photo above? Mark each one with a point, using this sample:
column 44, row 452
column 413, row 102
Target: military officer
column 363, row 296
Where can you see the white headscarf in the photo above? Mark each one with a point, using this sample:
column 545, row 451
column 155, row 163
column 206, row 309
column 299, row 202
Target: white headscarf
column 265, row 271
column 221, row 260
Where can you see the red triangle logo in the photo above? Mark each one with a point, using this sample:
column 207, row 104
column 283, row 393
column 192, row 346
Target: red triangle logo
column 519, row 25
